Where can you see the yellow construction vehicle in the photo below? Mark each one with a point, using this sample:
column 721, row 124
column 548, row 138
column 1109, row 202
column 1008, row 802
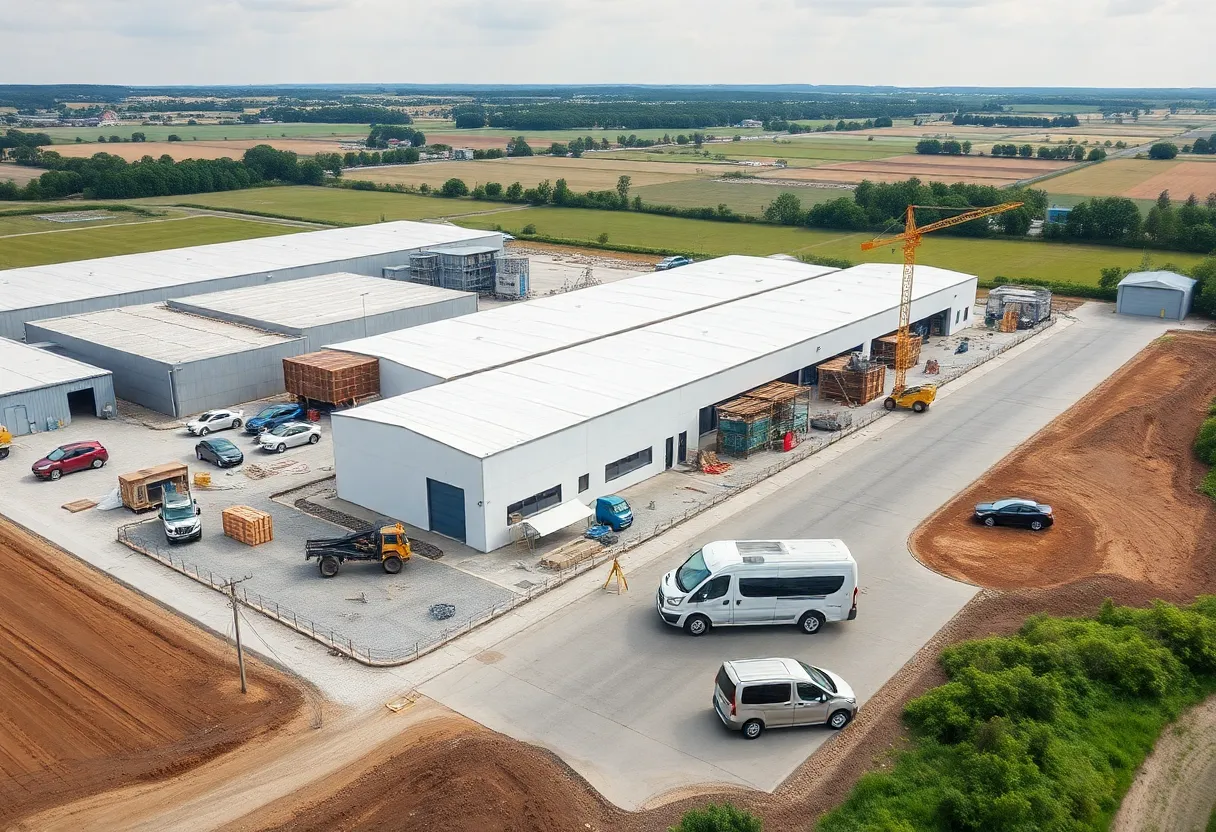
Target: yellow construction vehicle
column 917, row 398
column 6, row 441
column 911, row 238
column 389, row 545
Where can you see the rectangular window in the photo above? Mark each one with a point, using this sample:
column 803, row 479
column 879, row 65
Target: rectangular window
column 775, row 694
column 536, row 503
column 584, row 482
column 966, row 312
column 624, row 465
column 956, row 316
column 790, row 587
column 726, row 685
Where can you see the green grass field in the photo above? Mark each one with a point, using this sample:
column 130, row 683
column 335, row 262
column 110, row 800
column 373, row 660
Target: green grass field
column 435, row 132
column 985, row 258
column 337, row 205
column 747, row 196
column 799, row 152
column 31, row 224
column 155, row 133
column 39, row 249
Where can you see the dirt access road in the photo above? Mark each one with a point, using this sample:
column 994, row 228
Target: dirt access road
column 102, row 688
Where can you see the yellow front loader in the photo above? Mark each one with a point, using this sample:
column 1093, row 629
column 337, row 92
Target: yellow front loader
column 6, row 441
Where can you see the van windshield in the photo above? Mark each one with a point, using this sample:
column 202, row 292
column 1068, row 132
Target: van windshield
column 690, row 575
column 819, row 677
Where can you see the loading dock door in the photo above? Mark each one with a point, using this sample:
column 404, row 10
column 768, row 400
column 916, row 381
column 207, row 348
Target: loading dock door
column 1151, row 302
column 16, row 420
column 445, row 509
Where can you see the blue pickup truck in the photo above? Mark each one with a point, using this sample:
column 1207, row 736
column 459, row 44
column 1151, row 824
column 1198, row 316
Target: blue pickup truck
column 273, row 416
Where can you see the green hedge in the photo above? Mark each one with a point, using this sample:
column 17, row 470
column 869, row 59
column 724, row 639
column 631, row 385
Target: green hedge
column 1205, row 441
column 1076, row 290
column 564, row 241
column 269, row 215
column 1042, row 730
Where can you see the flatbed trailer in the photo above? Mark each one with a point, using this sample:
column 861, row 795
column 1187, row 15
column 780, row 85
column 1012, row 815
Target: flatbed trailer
column 388, row 544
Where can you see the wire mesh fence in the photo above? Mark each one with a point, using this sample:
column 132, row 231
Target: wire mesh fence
column 341, row 644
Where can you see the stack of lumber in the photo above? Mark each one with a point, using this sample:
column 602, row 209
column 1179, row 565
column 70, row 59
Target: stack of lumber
column 248, row 525
column 332, row 376
column 1009, row 321
column 838, row 381
column 709, row 463
column 568, row 554
column 883, row 349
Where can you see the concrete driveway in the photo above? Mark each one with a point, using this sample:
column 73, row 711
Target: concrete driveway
column 625, row 699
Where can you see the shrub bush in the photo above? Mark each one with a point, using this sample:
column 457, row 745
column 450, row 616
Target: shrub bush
column 715, row 818
column 1205, row 442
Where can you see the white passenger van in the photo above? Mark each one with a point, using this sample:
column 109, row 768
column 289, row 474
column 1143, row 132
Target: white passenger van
column 744, row 582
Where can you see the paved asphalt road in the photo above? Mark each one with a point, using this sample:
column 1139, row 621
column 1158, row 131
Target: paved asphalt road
column 625, row 700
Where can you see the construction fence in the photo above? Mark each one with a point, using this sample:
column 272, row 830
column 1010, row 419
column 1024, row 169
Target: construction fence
column 343, row 645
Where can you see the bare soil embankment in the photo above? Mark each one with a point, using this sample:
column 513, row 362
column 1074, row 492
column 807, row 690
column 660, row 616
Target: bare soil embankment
column 102, row 689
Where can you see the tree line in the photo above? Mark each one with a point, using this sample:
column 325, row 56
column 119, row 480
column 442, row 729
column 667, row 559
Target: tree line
column 338, row 114
column 1189, row 226
column 1202, row 146
column 951, row 147
column 1005, row 120
column 381, row 133
column 779, row 125
column 104, row 176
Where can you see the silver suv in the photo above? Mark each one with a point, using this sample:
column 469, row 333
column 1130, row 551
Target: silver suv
column 751, row 695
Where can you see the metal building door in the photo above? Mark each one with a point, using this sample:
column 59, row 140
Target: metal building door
column 671, row 451
column 445, row 509
column 16, row 420
column 682, row 456
column 1145, row 300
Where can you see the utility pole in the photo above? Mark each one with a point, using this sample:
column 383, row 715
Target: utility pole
column 363, row 297
column 230, row 585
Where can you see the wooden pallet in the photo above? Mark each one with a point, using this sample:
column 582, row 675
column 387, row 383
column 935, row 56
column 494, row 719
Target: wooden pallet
column 247, row 525
column 853, row 387
column 332, row 376
column 568, row 554
column 883, row 349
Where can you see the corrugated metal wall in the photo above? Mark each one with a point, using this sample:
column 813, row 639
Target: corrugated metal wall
column 51, row 403
column 232, row 379
column 320, row 336
column 1153, row 302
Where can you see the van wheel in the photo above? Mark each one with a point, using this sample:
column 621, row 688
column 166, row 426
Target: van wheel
column 889, row 404
column 696, row 625
column 810, row 623
column 329, row 566
column 838, row 720
column 392, row 564
column 752, row 729
column 919, row 407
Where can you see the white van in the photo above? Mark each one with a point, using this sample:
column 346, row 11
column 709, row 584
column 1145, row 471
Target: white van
column 744, row 582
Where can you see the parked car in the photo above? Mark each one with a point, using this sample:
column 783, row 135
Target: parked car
column 1015, row 512
column 508, row 238
column 672, row 263
column 219, row 452
column 614, row 511
column 66, row 459
column 271, row 417
column 751, row 695
column 214, row 420
column 181, row 516
column 290, row 435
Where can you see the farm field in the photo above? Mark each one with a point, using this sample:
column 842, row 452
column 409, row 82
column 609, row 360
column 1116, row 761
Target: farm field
column 597, row 173
column 743, row 196
column 39, row 249
column 202, row 149
column 986, row 258
column 979, row 170
column 19, row 173
column 1181, row 180
column 207, row 132
column 331, row 205
column 1131, row 178
column 448, row 133
column 799, row 151
column 27, row 224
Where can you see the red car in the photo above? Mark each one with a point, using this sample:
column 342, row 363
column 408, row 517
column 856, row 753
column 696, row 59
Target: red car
column 75, row 456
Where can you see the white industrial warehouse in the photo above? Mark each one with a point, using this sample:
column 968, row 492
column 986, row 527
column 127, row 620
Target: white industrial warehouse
column 41, row 391
column 40, row 292
column 432, row 354
column 459, row 457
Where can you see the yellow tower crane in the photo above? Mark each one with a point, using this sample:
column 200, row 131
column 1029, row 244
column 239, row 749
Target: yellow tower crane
column 911, row 238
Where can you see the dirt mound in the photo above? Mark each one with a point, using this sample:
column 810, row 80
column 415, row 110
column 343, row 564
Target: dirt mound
column 101, row 688
column 1118, row 470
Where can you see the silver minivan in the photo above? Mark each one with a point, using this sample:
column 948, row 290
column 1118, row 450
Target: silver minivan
column 751, row 695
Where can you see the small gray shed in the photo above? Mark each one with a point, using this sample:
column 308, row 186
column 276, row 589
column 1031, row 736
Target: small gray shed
column 41, row 391
column 1155, row 294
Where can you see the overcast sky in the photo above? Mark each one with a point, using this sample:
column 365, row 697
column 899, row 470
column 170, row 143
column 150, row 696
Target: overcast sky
column 1130, row 43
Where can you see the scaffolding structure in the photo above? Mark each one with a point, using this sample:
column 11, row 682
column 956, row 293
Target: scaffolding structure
column 1032, row 305
column 762, row 418
column 512, row 278
column 852, row 379
column 467, row 269
column 424, row 269
column 883, row 349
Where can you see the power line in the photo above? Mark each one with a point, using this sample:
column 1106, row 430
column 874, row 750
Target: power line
column 231, row 585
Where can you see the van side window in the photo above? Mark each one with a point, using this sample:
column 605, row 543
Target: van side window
column 808, row 692
column 776, row 694
column 714, row 589
column 790, row 587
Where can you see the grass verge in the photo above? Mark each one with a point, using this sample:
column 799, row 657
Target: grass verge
column 1041, row 730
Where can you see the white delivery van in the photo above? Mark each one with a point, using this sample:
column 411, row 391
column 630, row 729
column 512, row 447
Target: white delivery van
column 748, row 582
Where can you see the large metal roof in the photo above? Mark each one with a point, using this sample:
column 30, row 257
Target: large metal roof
column 316, row 301
column 161, row 334
column 1159, row 279
column 494, row 411
column 83, row 279
column 473, row 343
column 23, row 367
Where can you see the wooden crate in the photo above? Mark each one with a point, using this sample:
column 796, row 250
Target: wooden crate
column 568, row 554
column 332, row 376
column 883, row 349
column 247, row 525
column 838, row 382
column 143, row 489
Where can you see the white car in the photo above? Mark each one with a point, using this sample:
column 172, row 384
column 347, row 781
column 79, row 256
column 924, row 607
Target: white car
column 214, row 420
column 288, row 435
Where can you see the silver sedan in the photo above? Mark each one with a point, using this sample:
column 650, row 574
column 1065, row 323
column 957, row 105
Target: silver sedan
column 289, row 435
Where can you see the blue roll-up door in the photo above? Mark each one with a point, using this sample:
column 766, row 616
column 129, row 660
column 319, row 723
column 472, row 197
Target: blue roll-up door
column 1150, row 301
column 445, row 509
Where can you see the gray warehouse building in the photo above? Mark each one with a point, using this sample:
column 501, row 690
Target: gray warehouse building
column 1155, row 294
column 52, row 291
column 333, row 307
column 173, row 362
column 41, row 391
